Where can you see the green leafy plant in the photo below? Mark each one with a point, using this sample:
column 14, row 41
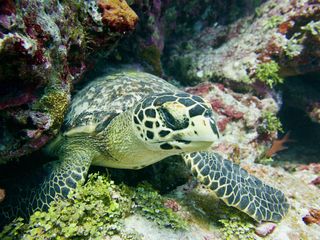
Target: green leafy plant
column 273, row 22
column 293, row 47
column 312, row 27
column 270, row 123
column 269, row 73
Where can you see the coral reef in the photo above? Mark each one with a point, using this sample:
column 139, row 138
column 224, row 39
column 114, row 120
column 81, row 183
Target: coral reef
column 280, row 35
column 45, row 47
column 162, row 23
column 206, row 212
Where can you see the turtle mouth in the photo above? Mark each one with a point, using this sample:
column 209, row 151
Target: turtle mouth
column 187, row 145
column 183, row 141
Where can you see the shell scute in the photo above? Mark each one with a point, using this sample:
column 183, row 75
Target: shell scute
column 111, row 95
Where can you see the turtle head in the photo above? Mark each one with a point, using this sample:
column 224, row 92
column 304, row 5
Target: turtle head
column 178, row 122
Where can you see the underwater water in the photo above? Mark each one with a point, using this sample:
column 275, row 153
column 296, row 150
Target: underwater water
column 160, row 119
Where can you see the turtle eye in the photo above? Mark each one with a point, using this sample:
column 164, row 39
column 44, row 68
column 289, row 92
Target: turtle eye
column 168, row 119
column 171, row 122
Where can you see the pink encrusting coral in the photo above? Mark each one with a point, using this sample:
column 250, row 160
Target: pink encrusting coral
column 45, row 47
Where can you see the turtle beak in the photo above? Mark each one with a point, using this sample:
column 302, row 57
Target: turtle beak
column 204, row 130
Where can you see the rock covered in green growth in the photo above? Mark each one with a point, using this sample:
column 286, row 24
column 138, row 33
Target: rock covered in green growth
column 231, row 53
column 55, row 103
column 270, row 124
column 45, row 47
column 269, row 73
column 237, row 227
column 162, row 23
column 94, row 211
column 273, row 22
column 150, row 204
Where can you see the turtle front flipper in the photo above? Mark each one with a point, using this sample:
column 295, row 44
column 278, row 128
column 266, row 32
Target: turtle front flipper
column 236, row 187
column 54, row 180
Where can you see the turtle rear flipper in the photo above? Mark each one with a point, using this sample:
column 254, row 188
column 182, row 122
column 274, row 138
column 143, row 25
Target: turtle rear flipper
column 54, row 180
column 236, row 187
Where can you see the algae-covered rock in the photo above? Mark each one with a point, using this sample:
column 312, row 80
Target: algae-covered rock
column 95, row 210
column 45, row 47
column 163, row 23
column 279, row 39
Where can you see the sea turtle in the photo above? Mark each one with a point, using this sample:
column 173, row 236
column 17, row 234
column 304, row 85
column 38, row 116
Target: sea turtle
column 130, row 120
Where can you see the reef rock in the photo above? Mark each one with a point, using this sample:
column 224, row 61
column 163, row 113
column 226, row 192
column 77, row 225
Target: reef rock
column 164, row 22
column 45, row 47
column 243, row 121
column 280, row 39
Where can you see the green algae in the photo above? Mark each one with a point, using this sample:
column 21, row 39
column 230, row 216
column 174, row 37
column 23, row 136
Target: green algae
column 268, row 73
column 55, row 102
column 237, row 228
column 236, row 225
column 270, row 123
column 312, row 27
column 95, row 210
column 150, row 204
column 273, row 22
column 294, row 46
